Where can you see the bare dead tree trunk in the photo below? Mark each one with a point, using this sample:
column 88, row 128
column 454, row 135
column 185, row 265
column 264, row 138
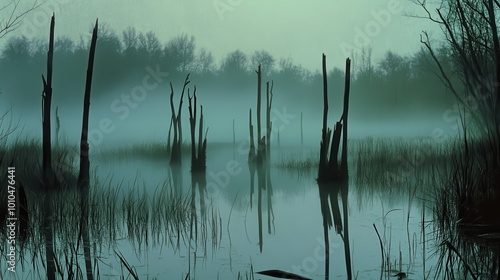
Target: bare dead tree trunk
column 344, row 169
column 173, row 154
column 58, row 126
column 251, row 153
column 259, row 131
column 331, row 178
column 179, row 118
column 343, row 164
column 169, row 145
column 269, row 102
column 48, row 173
column 192, row 124
column 84, row 175
column 176, row 154
column 83, row 178
column 325, row 132
column 46, row 100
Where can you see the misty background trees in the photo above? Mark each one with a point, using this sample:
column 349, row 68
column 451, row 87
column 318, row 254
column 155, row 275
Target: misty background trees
column 392, row 84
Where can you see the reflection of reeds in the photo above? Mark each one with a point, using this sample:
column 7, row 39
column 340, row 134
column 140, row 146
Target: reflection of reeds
column 162, row 220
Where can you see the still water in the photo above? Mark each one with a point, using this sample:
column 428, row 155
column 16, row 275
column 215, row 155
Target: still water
column 235, row 229
column 289, row 235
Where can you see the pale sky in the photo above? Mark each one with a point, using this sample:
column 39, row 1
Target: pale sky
column 301, row 30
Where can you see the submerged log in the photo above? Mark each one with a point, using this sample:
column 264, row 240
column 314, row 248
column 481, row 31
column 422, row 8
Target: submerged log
column 282, row 274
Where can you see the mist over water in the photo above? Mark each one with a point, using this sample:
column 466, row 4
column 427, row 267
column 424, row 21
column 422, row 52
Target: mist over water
column 236, row 213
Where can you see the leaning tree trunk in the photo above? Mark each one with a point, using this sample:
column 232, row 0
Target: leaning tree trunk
column 84, row 175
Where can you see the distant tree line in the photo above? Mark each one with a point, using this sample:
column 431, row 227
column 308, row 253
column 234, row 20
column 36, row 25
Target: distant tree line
column 393, row 82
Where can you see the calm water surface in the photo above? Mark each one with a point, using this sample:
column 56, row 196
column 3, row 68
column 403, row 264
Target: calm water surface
column 292, row 228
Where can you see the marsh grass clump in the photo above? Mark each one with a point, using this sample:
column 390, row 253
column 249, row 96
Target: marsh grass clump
column 26, row 156
column 467, row 211
column 295, row 161
column 154, row 150
column 136, row 217
column 398, row 162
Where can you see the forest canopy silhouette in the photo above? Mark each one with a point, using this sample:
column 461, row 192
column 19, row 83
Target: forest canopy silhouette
column 393, row 84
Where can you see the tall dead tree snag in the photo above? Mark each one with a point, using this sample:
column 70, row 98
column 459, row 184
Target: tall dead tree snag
column 198, row 162
column 260, row 161
column 175, row 155
column 269, row 102
column 83, row 177
column 261, row 146
column 198, row 156
column 48, row 173
column 333, row 178
column 344, row 172
column 84, row 174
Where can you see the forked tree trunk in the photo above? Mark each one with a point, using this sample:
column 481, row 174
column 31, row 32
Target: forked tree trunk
column 176, row 154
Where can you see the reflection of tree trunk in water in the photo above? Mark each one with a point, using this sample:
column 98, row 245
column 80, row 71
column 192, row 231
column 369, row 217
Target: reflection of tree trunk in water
column 201, row 181
column 194, row 217
column 251, row 159
column 337, row 219
column 269, row 198
column 331, row 178
column 202, row 187
column 49, row 245
column 22, row 206
column 197, row 179
column 85, row 231
column 260, row 181
column 327, row 223
column 252, row 169
column 176, row 173
column 347, row 250
column 329, row 191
